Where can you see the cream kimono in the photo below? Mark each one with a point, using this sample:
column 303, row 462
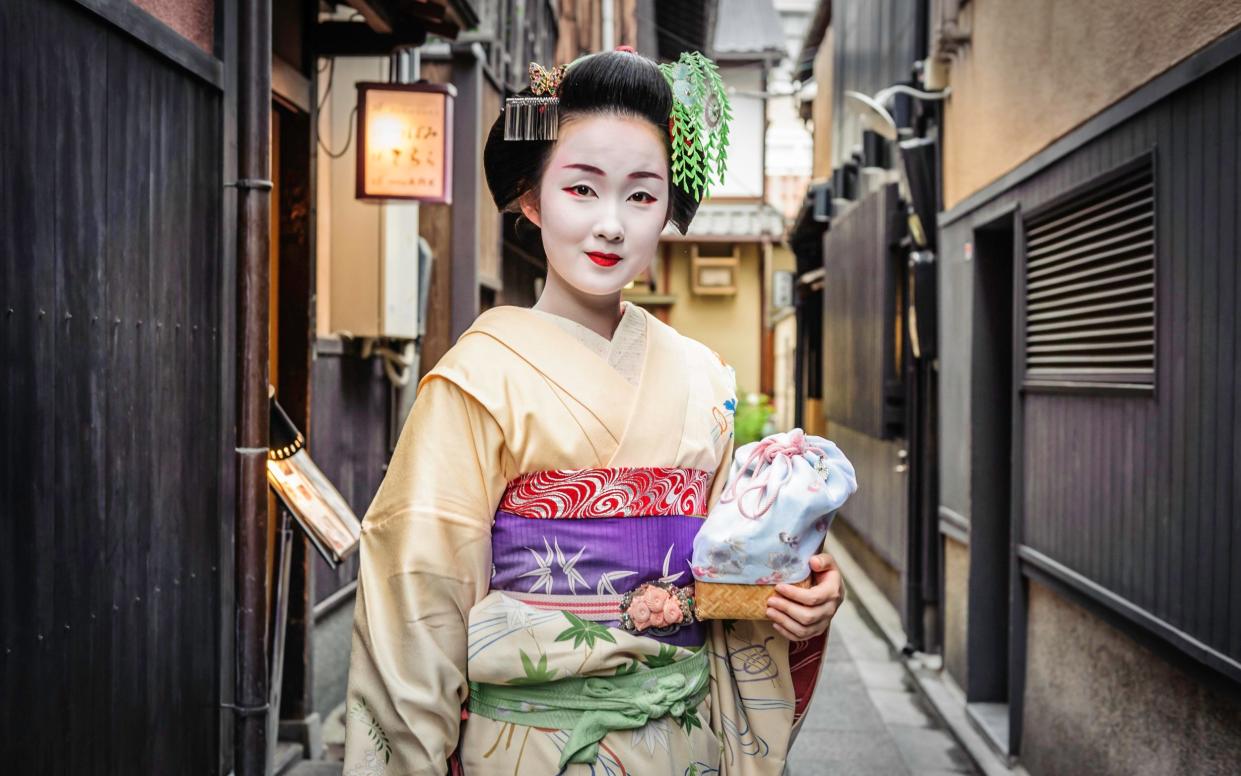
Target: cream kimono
column 542, row 474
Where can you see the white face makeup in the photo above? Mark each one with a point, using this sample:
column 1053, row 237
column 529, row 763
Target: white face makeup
column 603, row 202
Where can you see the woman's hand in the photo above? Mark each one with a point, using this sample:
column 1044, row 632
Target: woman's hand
column 799, row 613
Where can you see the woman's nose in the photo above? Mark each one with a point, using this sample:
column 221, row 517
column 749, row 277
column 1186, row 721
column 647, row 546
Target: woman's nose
column 609, row 228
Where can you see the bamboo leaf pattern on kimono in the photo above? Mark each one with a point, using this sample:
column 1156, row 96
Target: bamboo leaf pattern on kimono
column 362, row 713
column 571, row 574
column 690, row 720
column 669, row 577
column 535, row 674
column 666, row 657
column 516, row 614
column 584, row 632
column 543, row 572
column 652, row 735
column 628, row 668
column 605, row 581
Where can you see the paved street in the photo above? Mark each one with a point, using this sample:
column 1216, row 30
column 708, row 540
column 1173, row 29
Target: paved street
column 866, row 720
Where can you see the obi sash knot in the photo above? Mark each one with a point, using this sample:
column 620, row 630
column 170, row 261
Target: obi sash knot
column 591, row 707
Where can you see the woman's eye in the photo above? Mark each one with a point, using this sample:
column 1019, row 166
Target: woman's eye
column 643, row 197
column 580, row 190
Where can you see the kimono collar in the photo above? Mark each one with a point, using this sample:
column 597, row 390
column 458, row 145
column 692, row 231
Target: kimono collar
column 647, row 422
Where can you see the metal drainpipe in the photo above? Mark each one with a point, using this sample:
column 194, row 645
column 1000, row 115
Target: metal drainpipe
column 253, row 235
column 608, row 17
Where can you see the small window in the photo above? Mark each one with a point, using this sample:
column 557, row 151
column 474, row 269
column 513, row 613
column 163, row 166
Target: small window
column 716, row 250
column 714, row 268
column 1090, row 284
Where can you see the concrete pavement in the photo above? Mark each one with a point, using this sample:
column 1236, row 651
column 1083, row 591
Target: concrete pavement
column 866, row 719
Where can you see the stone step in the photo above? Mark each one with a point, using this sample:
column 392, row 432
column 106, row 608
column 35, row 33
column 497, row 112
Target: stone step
column 287, row 753
column 316, row 768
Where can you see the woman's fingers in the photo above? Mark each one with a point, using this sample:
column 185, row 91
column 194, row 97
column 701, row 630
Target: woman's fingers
column 828, row 587
column 822, row 562
column 803, row 615
column 788, row 627
column 801, row 612
column 815, row 595
column 781, row 630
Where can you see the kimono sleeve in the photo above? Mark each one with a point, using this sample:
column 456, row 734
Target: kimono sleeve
column 425, row 561
column 721, row 475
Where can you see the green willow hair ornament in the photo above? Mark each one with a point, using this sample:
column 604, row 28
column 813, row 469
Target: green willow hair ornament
column 699, row 122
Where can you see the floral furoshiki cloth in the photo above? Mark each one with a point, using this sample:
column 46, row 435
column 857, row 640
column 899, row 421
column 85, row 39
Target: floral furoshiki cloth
column 782, row 494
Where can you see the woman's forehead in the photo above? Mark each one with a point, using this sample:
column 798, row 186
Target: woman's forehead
column 618, row 145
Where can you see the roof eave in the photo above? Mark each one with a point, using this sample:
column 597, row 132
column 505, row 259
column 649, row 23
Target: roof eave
column 749, row 57
column 819, row 23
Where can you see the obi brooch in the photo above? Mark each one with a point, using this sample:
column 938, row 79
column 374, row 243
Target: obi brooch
column 656, row 609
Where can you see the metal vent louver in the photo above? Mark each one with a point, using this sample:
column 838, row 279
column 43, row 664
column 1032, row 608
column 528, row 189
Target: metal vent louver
column 1090, row 285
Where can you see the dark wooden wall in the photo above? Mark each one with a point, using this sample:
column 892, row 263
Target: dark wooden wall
column 859, row 359
column 1134, row 499
column 859, row 354
column 349, row 441
column 110, row 226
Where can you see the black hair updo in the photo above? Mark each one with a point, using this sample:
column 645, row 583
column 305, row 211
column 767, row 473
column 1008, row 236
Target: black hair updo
column 614, row 82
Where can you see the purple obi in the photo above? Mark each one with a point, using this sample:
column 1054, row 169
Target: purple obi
column 580, row 541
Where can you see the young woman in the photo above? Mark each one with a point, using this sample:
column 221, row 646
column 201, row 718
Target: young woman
column 557, row 459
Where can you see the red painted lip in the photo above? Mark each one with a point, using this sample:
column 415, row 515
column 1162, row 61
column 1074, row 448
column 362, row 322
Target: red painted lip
column 604, row 259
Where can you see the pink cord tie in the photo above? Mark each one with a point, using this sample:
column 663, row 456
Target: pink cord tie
column 765, row 452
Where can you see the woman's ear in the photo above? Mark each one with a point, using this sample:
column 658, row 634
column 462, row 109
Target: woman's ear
column 529, row 203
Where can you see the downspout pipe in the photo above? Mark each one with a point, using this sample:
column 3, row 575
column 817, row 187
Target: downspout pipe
column 254, row 190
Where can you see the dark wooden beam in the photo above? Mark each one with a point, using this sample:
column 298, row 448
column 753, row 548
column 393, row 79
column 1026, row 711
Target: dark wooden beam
column 289, row 83
column 376, row 13
column 387, row 17
column 351, row 39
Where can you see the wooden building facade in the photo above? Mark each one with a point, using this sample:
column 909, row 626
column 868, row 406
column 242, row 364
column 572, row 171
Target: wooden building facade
column 156, row 275
column 116, row 410
column 1073, row 492
column 1089, row 433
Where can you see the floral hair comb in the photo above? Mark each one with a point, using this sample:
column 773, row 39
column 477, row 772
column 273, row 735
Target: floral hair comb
column 536, row 117
column 699, row 123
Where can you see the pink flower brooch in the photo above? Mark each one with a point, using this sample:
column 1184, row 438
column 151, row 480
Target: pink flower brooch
column 659, row 608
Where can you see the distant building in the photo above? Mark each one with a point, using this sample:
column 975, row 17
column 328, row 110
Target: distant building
column 713, row 284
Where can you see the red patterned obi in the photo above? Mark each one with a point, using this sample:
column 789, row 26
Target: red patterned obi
column 620, row 492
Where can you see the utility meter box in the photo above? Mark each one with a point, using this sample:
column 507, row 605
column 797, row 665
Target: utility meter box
column 367, row 252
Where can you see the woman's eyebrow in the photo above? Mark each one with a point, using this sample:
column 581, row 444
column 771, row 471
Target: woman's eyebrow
column 590, row 168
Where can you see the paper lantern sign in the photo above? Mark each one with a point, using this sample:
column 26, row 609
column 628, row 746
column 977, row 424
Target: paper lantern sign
column 405, row 141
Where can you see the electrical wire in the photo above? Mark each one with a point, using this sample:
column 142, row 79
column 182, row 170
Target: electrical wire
column 331, row 77
column 392, row 360
column 348, row 138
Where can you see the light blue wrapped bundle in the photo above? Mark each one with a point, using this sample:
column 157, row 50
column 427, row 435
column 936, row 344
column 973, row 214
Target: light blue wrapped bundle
column 782, row 494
